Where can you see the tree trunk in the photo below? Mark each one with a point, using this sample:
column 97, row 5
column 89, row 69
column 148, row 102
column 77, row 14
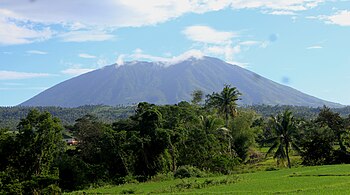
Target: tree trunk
column 287, row 153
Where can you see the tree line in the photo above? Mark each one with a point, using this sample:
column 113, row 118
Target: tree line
column 11, row 116
column 206, row 135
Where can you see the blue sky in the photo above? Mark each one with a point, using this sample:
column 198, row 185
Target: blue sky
column 304, row 44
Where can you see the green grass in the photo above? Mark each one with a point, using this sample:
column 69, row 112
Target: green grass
column 331, row 179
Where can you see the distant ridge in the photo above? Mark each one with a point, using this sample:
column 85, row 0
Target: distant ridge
column 162, row 83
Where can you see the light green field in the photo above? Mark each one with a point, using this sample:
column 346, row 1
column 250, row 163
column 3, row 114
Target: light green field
column 332, row 179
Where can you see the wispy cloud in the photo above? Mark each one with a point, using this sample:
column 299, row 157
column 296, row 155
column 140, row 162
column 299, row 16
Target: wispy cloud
column 341, row 18
column 22, row 88
column 287, row 13
column 290, row 5
column 12, row 33
column 13, row 75
column 76, row 71
column 83, row 36
column 206, row 34
column 121, row 13
column 250, row 43
column 315, row 47
column 165, row 61
column 36, row 52
column 84, row 55
column 214, row 42
column 112, row 14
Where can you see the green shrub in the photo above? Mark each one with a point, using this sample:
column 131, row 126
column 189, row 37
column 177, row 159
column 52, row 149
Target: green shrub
column 162, row 177
column 223, row 164
column 130, row 179
column 128, row 191
column 188, row 171
column 271, row 169
column 52, row 189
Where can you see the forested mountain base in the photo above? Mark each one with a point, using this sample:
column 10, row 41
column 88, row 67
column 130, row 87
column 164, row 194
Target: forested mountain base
column 175, row 141
column 10, row 116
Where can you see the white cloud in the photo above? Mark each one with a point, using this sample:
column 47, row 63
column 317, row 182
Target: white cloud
column 13, row 75
column 193, row 53
column 341, row 18
column 117, row 13
column 227, row 51
column 84, row 55
column 206, row 34
column 249, row 43
column 12, row 33
column 82, row 36
column 120, row 60
column 76, row 71
column 78, row 17
column 315, row 47
column 121, row 13
column 288, row 13
column 23, row 88
column 278, row 5
column 36, row 52
column 138, row 54
column 213, row 42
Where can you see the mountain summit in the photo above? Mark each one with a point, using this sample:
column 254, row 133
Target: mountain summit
column 165, row 83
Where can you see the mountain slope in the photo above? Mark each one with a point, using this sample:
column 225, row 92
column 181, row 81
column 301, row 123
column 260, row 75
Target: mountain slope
column 157, row 83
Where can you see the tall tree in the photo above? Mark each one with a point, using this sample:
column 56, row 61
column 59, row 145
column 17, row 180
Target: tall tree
column 197, row 96
column 225, row 101
column 284, row 129
column 39, row 141
column 335, row 122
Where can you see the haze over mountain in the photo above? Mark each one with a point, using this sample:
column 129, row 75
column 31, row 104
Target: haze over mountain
column 164, row 83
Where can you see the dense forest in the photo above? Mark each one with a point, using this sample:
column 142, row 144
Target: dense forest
column 206, row 135
column 11, row 116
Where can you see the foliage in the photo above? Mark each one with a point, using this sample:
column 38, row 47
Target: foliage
column 188, row 171
column 160, row 142
column 317, row 145
column 11, row 116
column 225, row 101
column 335, row 122
column 284, row 129
column 244, row 133
column 197, row 97
column 30, row 167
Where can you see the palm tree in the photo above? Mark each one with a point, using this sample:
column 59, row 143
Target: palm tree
column 284, row 127
column 225, row 101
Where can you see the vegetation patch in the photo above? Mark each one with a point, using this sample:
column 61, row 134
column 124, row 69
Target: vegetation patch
column 186, row 184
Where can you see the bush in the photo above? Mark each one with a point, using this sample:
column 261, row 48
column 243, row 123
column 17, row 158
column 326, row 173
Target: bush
column 52, row 189
column 271, row 169
column 130, row 179
column 188, row 171
column 162, row 177
column 223, row 164
column 128, row 191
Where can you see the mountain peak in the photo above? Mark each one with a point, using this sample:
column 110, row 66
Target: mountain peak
column 169, row 82
column 190, row 56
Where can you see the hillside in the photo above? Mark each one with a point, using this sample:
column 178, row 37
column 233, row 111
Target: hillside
column 161, row 83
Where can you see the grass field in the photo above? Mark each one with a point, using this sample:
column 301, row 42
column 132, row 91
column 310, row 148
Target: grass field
column 331, row 179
